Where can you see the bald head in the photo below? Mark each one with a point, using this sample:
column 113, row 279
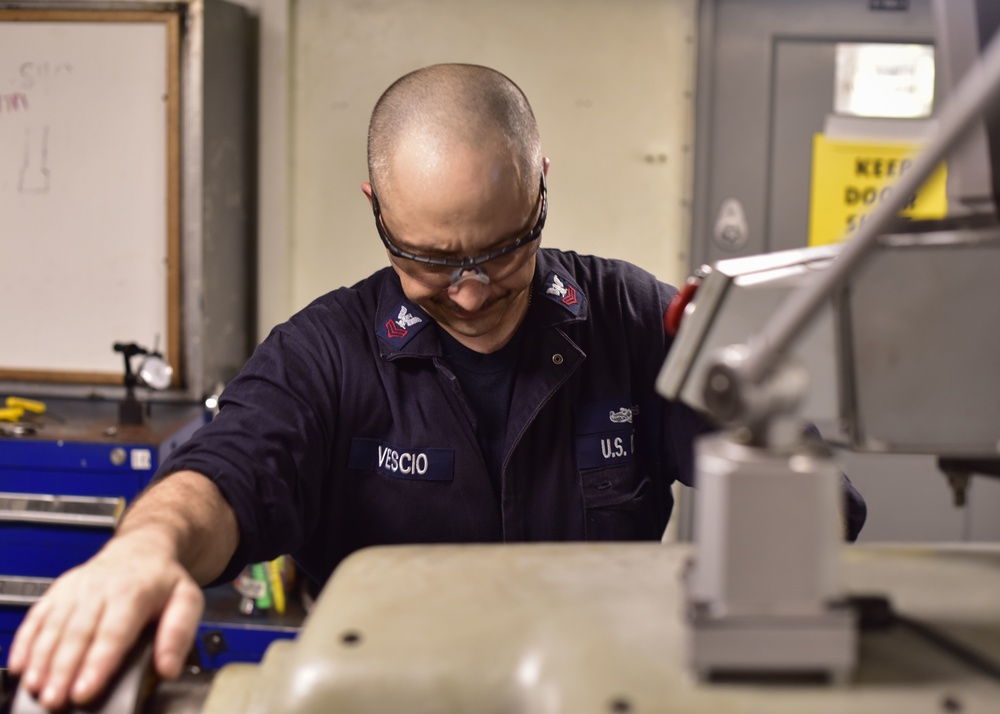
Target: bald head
column 433, row 112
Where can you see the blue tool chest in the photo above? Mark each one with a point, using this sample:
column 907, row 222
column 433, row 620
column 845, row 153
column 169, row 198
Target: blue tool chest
column 65, row 478
column 64, row 482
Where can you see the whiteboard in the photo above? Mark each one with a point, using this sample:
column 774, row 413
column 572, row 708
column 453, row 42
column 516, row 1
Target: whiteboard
column 88, row 225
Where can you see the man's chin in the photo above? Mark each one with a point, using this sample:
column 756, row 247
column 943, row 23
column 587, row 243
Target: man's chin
column 475, row 325
column 470, row 324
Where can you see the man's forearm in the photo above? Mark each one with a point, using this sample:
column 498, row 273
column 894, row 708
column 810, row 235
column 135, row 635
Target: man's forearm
column 186, row 514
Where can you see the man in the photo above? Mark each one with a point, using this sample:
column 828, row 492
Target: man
column 479, row 389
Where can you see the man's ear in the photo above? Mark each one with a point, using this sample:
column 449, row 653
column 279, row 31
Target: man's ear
column 366, row 188
column 545, row 166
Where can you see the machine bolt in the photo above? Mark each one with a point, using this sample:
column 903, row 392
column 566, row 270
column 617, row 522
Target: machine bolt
column 351, row 638
column 620, row 705
column 951, row 704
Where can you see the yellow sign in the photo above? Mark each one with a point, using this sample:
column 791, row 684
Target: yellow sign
column 850, row 177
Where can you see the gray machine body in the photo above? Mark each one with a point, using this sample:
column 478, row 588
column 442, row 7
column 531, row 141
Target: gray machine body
column 903, row 360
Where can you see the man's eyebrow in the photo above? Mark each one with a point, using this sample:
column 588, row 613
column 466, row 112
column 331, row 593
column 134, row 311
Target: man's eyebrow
column 408, row 247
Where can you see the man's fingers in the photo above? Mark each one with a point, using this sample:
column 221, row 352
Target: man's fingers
column 21, row 646
column 178, row 626
column 42, row 645
column 120, row 628
column 117, row 631
column 76, row 636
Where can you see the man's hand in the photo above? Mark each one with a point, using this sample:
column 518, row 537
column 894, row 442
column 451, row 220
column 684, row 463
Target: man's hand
column 74, row 639
column 179, row 533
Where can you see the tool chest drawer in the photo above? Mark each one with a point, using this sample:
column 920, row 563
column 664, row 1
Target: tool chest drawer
column 64, row 483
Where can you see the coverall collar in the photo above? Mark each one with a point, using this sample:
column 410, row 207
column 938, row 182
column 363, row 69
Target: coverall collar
column 401, row 325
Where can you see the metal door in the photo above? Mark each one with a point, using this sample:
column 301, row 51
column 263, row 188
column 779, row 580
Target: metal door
column 766, row 71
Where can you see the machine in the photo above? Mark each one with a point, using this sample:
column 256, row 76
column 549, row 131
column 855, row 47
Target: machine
column 767, row 612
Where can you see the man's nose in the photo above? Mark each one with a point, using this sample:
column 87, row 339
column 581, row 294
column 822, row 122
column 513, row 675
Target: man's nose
column 470, row 295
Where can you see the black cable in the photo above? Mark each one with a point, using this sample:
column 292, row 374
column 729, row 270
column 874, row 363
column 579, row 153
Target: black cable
column 876, row 613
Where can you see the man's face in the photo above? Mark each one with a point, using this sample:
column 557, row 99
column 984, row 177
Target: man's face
column 470, row 204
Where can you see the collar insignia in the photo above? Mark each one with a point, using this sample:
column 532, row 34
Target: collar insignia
column 402, row 323
column 560, row 290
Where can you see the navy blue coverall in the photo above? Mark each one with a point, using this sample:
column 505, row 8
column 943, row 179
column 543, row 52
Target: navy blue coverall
column 347, row 428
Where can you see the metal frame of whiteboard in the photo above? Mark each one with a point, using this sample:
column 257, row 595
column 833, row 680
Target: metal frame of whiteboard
column 216, row 196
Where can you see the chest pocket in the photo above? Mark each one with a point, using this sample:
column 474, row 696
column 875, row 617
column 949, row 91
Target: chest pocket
column 616, row 498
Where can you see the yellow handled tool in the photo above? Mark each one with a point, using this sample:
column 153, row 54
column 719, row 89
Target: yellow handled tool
column 26, row 405
column 277, row 584
column 10, row 413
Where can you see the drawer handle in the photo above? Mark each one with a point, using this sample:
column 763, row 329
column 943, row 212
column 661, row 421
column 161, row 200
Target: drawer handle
column 20, row 590
column 87, row 511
